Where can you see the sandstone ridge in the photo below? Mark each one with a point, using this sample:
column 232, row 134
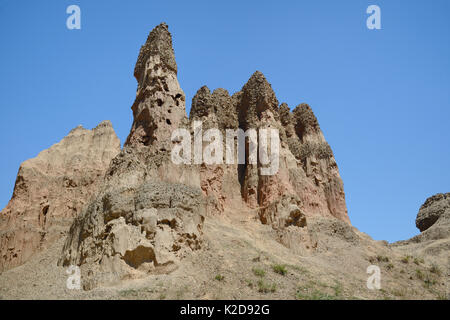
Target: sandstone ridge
column 52, row 189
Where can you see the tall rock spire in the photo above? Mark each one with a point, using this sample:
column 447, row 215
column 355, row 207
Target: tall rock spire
column 149, row 213
column 160, row 102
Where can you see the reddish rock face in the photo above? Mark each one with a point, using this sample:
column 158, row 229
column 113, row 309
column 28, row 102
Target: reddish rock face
column 307, row 170
column 147, row 213
column 52, row 189
column 308, row 173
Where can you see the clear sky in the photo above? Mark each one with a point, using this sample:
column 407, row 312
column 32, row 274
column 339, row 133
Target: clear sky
column 382, row 97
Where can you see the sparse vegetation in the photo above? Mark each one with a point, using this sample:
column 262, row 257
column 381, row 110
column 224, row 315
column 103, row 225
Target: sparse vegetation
column 441, row 296
column 299, row 269
column 180, row 293
column 162, row 296
column 310, row 292
column 429, row 282
column 337, row 289
column 219, row 277
column 382, row 258
column 418, row 260
column 419, row 274
column 280, row 269
column 390, row 266
column 435, row 269
column 400, row 292
column 266, row 288
column 406, row 259
column 314, row 295
column 259, row 272
column 128, row 293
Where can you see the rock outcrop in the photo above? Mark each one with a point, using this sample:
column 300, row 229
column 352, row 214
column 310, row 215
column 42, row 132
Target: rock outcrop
column 52, row 189
column 433, row 220
column 307, row 169
column 160, row 103
column 149, row 211
column 307, row 183
column 435, row 208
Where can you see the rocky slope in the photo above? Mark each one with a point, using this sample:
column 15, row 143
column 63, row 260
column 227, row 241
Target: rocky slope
column 52, row 189
column 157, row 229
column 241, row 258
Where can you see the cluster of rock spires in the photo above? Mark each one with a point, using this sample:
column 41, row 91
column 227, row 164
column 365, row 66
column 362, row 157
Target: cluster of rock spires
column 149, row 211
column 135, row 212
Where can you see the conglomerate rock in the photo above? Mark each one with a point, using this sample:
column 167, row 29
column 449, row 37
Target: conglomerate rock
column 307, row 168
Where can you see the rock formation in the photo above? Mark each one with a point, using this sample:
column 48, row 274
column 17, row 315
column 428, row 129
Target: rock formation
column 308, row 172
column 52, row 189
column 434, row 209
column 433, row 220
column 149, row 211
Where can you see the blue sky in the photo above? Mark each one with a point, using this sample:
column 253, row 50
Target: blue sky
column 382, row 97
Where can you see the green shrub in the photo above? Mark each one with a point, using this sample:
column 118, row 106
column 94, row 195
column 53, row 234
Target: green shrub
column 405, row 259
column 259, row 272
column 435, row 269
column 266, row 288
column 419, row 274
column 219, row 277
column 280, row 269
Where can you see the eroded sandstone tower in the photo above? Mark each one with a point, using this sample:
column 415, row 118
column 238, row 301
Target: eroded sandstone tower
column 149, row 212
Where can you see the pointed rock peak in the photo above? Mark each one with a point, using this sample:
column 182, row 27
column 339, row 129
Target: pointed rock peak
column 257, row 76
column 159, row 106
column 159, row 43
column 203, row 90
column 259, row 81
column 104, row 124
column 200, row 103
column 76, row 129
column 258, row 84
column 285, row 114
column 284, row 106
column 258, row 92
column 306, row 121
column 220, row 92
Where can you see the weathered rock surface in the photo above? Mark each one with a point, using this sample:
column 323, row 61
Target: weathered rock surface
column 307, row 168
column 131, row 232
column 435, row 208
column 160, row 103
column 52, row 189
column 179, row 226
column 149, row 212
column 433, row 220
